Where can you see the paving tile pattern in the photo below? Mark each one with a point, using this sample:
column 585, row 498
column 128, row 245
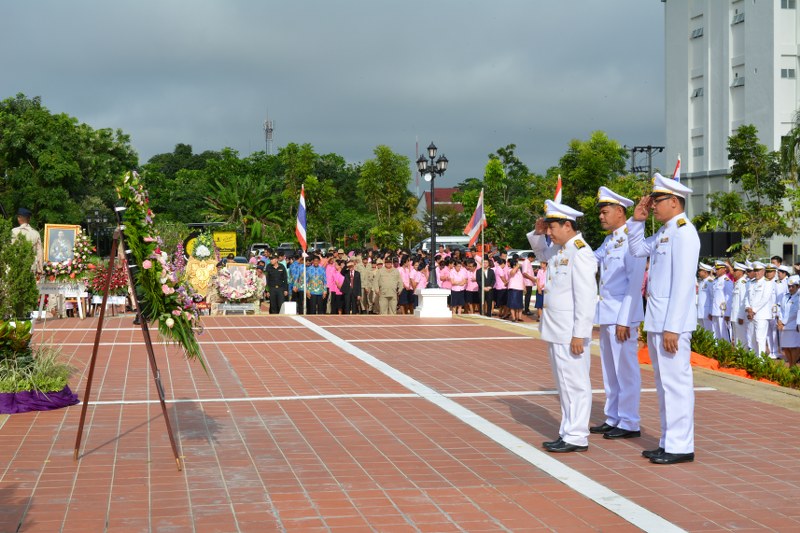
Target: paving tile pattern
column 358, row 452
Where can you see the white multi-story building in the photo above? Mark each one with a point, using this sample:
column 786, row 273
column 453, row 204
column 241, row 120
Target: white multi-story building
column 728, row 63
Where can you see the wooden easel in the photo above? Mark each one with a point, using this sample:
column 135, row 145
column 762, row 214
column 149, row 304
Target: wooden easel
column 119, row 238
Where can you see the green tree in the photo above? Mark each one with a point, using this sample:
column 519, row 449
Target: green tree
column 584, row 168
column 18, row 294
column 383, row 187
column 757, row 211
column 51, row 162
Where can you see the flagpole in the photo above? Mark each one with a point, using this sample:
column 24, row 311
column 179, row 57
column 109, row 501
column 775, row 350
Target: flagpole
column 305, row 285
column 483, row 289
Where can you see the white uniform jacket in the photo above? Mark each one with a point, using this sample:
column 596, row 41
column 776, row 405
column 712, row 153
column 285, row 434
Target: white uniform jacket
column 788, row 309
column 737, row 299
column 673, row 251
column 704, row 298
column 761, row 298
column 571, row 290
column 721, row 294
column 621, row 276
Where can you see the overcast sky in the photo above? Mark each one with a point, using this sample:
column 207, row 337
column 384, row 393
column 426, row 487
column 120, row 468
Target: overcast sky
column 346, row 75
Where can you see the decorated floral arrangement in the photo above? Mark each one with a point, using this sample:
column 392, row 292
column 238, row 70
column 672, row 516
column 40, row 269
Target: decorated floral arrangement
column 119, row 281
column 75, row 269
column 237, row 284
column 163, row 296
column 204, row 246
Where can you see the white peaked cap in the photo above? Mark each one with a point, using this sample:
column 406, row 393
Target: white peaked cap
column 662, row 185
column 784, row 268
column 794, row 280
column 758, row 265
column 720, row 264
column 706, row 267
column 740, row 266
column 556, row 211
column 607, row 196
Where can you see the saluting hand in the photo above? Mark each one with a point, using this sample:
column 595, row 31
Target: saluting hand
column 643, row 208
column 540, row 228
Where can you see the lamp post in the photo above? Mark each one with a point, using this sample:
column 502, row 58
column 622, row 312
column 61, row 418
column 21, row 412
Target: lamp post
column 431, row 169
column 96, row 219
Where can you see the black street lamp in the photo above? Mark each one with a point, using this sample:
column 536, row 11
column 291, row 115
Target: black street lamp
column 431, row 169
column 98, row 220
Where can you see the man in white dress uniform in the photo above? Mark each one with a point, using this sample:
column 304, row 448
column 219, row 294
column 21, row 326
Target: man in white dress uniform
column 619, row 312
column 566, row 324
column 738, row 315
column 671, row 315
column 758, row 305
column 720, row 294
column 705, row 279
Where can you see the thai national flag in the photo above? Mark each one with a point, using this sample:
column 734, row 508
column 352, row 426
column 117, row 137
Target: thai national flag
column 557, row 198
column 677, row 174
column 300, row 230
column 477, row 222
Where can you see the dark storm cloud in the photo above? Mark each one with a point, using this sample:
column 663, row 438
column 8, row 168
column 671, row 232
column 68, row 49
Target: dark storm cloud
column 346, row 76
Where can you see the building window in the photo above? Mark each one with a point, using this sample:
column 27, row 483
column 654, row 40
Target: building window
column 697, row 92
column 738, row 18
column 788, row 4
column 698, row 151
column 738, row 81
column 697, row 32
column 788, row 73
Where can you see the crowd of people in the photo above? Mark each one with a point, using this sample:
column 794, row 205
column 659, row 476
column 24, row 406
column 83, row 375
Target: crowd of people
column 371, row 281
column 752, row 303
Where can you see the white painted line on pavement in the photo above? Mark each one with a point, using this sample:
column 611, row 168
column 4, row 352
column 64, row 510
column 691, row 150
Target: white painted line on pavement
column 630, row 511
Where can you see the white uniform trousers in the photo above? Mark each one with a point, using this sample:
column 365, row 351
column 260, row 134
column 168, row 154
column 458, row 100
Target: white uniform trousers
column 739, row 332
column 571, row 374
column 622, row 378
column 675, row 386
column 720, row 328
column 706, row 324
column 758, row 335
column 773, row 339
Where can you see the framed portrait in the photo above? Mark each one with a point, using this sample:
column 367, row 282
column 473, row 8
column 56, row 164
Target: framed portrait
column 59, row 242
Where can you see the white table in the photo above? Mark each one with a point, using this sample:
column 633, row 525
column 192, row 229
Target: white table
column 62, row 291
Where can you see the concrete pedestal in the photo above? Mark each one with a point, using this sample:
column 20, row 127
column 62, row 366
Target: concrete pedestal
column 433, row 304
column 289, row 308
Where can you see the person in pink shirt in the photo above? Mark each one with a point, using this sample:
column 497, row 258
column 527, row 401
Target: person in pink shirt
column 335, row 280
column 472, row 295
column 529, row 279
column 501, row 287
column 405, row 300
column 458, row 285
column 541, row 281
column 516, row 286
column 444, row 274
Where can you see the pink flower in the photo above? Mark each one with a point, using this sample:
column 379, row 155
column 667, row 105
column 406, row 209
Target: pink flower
column 166, row 289
column 149, row 239
column 147, row 264
column 176, row 312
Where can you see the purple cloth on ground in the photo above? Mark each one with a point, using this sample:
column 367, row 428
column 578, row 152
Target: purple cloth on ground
column 22, row 402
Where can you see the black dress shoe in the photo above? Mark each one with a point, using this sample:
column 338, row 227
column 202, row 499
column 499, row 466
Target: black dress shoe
column 619, row 433
column 566, row 447
column 648, row 454
column 604, row 428
column 550, row 443
column 672, row 458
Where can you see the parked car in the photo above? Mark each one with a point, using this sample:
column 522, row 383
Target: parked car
column 258, row 248
column 322, row 246
column 287, row 248
column 521, row 253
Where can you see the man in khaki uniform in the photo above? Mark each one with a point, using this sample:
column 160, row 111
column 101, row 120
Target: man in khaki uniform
column 388, row 285
column 377, row 268
column 32, row 236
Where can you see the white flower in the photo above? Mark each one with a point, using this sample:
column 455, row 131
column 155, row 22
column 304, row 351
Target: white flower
column 202, row 251
column 169, row 322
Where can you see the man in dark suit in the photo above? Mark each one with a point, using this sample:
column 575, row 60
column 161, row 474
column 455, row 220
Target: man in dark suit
column 351, row 288
column 486, row 278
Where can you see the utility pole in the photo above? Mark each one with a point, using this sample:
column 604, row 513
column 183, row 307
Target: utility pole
column 648, row 150
column 269, row 127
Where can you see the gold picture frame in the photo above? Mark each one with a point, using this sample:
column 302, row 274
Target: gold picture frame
column 59, row 242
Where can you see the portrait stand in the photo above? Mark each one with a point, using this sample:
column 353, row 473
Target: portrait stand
column 119, row 239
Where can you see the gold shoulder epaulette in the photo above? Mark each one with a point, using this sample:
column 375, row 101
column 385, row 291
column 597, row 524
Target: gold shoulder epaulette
column 579, row 244
column 681, row 222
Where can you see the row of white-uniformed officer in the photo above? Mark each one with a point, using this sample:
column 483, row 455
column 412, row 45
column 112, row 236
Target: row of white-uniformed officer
column 750, row 305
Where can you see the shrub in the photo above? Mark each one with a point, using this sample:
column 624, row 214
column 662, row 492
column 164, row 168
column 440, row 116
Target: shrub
column 18, row 292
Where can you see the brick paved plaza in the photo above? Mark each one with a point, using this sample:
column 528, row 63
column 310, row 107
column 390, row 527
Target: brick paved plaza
column 373, row 423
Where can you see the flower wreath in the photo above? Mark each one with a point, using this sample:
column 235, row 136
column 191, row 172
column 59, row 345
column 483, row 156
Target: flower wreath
column 76, row 268
column 251, row 285
column 163, row 296
column 204, row 246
